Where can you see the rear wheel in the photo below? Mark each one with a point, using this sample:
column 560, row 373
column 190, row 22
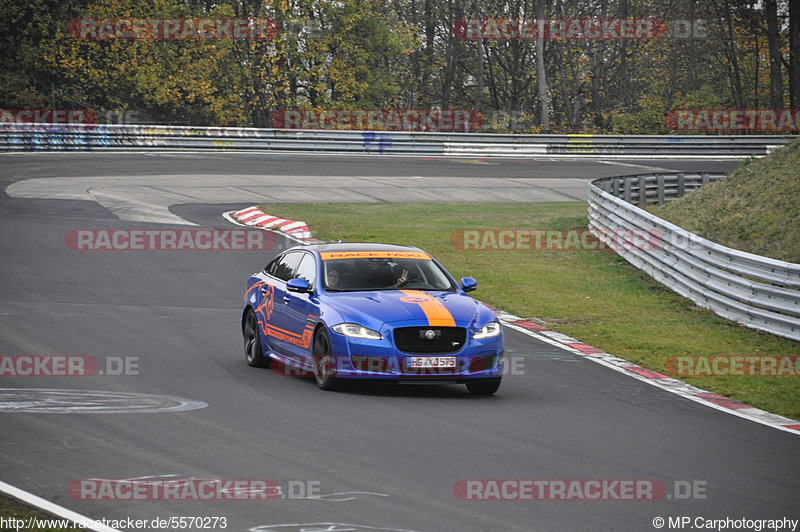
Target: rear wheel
column 483, row 386
column 252, row 342
column 324, row 363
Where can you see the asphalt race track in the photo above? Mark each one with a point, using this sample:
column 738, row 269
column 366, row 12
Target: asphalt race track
column 369, row 458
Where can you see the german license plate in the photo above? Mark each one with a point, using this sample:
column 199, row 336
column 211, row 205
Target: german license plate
column 431, row 362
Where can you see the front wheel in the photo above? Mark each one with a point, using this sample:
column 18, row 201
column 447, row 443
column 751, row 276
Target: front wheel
column 324, row 363
column 483, row 386
column 253, row 352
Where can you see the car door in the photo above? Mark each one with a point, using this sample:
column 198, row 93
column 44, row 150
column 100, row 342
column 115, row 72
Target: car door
column 280, row 337
column 300, row 310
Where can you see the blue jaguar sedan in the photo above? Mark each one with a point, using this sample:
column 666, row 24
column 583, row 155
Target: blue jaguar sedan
column 370, row 311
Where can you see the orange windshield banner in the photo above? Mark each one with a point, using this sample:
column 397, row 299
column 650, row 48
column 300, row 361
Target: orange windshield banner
column 331, row 255
column 435, row 311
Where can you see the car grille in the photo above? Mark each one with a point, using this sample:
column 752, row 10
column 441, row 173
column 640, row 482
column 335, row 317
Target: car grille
column 429, row 340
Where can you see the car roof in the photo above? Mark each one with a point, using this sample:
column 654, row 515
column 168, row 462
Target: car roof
column 358, row 246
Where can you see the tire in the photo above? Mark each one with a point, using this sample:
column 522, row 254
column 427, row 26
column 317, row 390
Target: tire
column 253, row 352
column 483, row 386
column 324, row 363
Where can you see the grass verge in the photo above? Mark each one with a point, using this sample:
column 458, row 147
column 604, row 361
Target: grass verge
column 594, row 296
column 754, row 209
column 11, row 509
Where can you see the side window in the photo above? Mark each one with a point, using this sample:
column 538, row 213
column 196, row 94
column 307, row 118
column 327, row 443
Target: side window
column 307, row 270
column 270, row 267
column 287, row 266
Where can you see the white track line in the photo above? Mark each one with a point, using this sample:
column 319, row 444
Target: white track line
column 654, row 378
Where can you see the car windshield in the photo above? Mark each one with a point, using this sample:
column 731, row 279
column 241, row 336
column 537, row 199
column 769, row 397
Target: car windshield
column 356, row 274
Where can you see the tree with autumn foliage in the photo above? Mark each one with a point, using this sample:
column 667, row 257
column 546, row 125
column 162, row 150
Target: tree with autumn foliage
column 406, row 54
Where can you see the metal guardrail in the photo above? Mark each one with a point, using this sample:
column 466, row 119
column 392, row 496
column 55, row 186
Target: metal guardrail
column 758, row 292
column 26, row 137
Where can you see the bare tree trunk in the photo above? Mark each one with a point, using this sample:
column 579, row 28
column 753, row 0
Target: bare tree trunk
column 479, row 74
column 730, row 46
column 774, row 42
column 794, row 53
column 430, row 28
column 430, row 43
column 541, row 74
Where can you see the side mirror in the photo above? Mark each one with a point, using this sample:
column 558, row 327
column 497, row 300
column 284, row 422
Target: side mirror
column 297, row 285
column 468, row 284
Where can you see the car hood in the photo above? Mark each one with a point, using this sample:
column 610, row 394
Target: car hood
column 410, row 307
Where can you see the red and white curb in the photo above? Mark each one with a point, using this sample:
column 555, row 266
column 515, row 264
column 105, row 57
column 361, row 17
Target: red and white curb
column 254, row 217
column 299, row 231
column 665, row 382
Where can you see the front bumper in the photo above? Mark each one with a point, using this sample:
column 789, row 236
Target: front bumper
column 379, row 359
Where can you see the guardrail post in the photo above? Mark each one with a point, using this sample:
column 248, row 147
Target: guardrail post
column 681, row 185
column 661, row 193
column 615, row 187
column 642, row 191
column 704, row 178
column 627, row 192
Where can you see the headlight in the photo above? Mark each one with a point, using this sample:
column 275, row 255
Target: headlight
column 354, row 330
column 488, row 330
